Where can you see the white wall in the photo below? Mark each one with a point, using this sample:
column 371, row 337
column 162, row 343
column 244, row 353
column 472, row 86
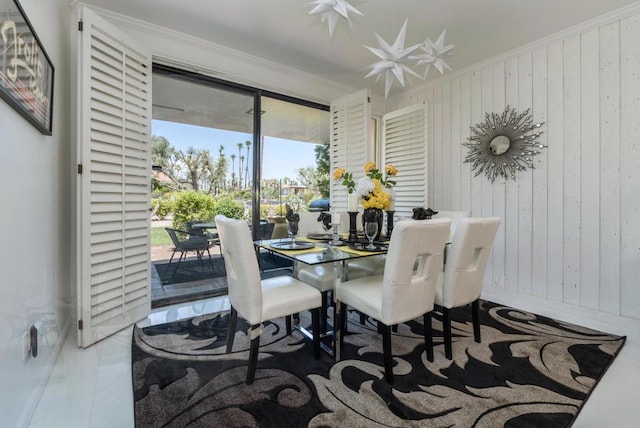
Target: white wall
column 34, row 254
column 569, row 244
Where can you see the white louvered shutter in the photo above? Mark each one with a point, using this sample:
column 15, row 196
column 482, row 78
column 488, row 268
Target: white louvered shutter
column 114, row 150
column 350, row 137
column 404, row 144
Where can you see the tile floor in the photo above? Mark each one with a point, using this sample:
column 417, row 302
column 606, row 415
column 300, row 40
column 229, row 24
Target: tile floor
column 92, row 387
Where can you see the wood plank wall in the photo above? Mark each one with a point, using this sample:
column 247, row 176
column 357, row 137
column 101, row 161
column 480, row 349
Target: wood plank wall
column 571, row 226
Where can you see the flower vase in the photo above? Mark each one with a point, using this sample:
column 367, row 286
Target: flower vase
column 373, row 214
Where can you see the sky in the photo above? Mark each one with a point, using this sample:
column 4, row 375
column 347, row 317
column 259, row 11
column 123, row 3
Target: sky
column 282, row 158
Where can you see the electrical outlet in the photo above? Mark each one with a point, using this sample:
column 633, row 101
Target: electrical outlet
column 25, row 345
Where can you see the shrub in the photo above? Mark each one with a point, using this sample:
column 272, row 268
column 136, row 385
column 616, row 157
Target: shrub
column 229, row 207
column 190, row 205
column 164, row 208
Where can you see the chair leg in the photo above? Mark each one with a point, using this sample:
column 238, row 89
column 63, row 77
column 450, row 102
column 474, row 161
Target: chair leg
column 172, row 254
column 210, row 259
column 386, row 349
column 178, row 265
column 253, row 354
column 231, row 332
column 315, row 322
column 323, row 312
column 343, row 322
column 475, row 313
column 446, row 331
column 428, row 336
column 287, row 320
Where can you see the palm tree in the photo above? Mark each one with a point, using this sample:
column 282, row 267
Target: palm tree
column 220, row 172
column 241, row 158
column 246, row 168
column 233, row 171
column 241, row 162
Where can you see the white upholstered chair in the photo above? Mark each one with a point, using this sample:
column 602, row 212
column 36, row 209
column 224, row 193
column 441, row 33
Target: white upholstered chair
column 461, row 281
column 322, row 277
column 259, row 300
column 407, row 288
column 309, row 224
column 455, row 217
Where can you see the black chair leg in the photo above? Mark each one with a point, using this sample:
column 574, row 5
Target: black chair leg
column 231, row 332
column 446, row 330
column 210, row 259
column 178, row 265
column 394, row 328
column 343, row 322
column 475, row 313
column 323, row 312
column 288, row 324
column 315, row 322
column 386, row 349
column 428, row 336
column 253, row 353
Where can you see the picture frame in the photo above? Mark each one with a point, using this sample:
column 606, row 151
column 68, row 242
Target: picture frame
column 26, row 71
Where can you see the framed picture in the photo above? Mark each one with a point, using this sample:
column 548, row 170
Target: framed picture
column 26, row 72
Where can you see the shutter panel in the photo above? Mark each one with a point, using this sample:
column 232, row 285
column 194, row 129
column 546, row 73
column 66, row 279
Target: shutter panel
column 404, row 144
column 350, row 137
column 114, row 117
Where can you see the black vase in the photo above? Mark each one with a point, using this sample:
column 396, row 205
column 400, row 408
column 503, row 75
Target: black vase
column 376, row 215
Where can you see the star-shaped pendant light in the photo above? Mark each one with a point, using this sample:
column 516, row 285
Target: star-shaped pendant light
column 393, row 60
column 332, row 10
column 434, row 53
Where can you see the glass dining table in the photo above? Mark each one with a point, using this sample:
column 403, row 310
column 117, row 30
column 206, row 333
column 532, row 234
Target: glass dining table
column 312, row 252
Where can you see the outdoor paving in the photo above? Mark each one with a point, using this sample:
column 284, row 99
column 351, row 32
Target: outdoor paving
column 174, row 293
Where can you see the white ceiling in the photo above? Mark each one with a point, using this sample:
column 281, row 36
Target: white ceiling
column 282, row 31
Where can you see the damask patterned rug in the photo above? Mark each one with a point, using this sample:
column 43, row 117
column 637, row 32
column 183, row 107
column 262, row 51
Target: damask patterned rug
column 529, row 371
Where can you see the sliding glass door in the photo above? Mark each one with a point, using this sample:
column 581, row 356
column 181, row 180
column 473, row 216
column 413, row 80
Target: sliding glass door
column 202, row 156
column 220, row 147
column 294, row 159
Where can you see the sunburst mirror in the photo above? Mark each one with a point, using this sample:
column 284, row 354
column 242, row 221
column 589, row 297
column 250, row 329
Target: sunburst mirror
column 503, row 144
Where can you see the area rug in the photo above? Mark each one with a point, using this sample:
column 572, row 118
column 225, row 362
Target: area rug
column 194, row 270
column 529, row 371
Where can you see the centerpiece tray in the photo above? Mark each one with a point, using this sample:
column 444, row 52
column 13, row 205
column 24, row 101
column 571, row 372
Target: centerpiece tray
column 296, row 245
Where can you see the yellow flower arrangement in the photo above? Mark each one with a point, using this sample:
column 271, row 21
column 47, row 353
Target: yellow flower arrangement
column 372, row 187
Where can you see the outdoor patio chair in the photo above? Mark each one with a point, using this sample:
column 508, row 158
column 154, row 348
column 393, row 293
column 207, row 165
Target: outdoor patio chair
column 184, row 242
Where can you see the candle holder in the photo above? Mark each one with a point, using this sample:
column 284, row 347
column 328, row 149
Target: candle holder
column 353, row 233
column 390, row 223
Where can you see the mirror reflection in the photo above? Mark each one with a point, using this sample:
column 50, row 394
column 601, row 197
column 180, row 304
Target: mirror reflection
column 499, row 144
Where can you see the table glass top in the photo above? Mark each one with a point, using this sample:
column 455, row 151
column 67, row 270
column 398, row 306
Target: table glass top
column 320, row 253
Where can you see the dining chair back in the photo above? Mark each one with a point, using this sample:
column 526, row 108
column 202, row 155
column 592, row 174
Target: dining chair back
column 259, row 300
column 406, row 289
column 462, row 279
column 455, row 217
column 243, row 272
column 411, row 269
column 309, row 224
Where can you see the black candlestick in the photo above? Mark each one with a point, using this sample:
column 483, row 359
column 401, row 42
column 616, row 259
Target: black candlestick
column 389, row 223
column 353, row 233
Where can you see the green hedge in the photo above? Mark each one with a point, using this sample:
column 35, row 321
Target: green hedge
column 190, row 205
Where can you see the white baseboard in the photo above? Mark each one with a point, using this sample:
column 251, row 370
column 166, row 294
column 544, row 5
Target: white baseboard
column 596, row 320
